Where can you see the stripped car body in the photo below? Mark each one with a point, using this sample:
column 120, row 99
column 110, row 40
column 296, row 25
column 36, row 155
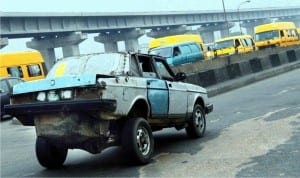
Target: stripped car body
column 88, row 102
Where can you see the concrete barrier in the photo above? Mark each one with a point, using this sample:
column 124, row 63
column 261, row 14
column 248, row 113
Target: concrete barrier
column 248, row 79
column 284, row 57
column 274, row 59
column 255, row 65
column 265, row 62
column 213, row 72
column 220, row 62
column 245, row 68
column 221, row 75
column 292, row 55
column 297, row 54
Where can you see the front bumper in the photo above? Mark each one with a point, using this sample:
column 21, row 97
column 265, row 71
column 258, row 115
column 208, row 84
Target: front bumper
column 209, row 108
column 25, row 112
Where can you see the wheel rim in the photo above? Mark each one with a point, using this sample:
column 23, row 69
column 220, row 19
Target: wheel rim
column 199, row 120
column 143, row 140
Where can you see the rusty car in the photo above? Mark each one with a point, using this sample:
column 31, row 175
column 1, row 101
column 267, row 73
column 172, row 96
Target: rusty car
column 95, row 101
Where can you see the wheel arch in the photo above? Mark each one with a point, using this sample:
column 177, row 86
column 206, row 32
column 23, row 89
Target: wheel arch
column 140, row 108
column 200, row 101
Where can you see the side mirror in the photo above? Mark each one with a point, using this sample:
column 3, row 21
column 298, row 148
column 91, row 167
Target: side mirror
column 180, row 76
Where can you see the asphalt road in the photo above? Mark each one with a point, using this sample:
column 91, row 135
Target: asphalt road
column 254, row 131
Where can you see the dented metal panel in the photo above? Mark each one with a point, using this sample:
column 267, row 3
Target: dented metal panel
column 55, row 83
column 103, row 63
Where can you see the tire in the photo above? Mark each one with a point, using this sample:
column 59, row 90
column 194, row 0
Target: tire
column 48, row 155
column 137, row 140
column 197, row 124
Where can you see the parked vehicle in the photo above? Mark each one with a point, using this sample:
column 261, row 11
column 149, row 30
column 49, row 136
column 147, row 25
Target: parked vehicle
column 28, row 65
column 276, row 34
column 176, row 39
column 6, row 85
column 91, row 102
column 180, row 53
column 234, row 45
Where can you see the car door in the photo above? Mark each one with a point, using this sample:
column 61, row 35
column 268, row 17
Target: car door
column 158, row 97
column 177, row 99
column 186, row 53
column 157, row 91
column 177, row 91
column 178, row 57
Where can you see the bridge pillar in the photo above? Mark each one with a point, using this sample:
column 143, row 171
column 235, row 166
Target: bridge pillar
column 110, row 39
column 46, row 45
column 131, row 39
column 3, row 42
column 250, row 25
column 207, row 31
column 167, row 31
column 297, row 21
column 207, row 35
column 224, row 33
column 48, row 55
column 132, row 45
column 70, row 43
column 223, row 28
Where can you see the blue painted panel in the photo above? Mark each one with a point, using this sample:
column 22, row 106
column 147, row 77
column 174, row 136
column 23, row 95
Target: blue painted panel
column 55, row 83
column 158, row 97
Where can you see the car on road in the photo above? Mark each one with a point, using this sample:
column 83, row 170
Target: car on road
column 95, row 101
column 6, row 85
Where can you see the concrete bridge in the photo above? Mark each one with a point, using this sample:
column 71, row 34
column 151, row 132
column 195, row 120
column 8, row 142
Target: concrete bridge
column 68, row 30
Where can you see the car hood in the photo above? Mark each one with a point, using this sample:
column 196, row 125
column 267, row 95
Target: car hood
column 55, row 83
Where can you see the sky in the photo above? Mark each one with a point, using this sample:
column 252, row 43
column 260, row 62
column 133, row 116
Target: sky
column 133, row 5
column 123, row 6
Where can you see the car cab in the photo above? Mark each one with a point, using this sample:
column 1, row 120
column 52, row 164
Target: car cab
column 180, row 53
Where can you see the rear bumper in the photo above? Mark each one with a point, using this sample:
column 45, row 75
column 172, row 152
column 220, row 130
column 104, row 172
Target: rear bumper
column 209, row 108
column 25, row 112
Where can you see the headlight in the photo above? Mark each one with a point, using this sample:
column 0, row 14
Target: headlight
column 41, row 96
column 66, row 94
column 52, row 96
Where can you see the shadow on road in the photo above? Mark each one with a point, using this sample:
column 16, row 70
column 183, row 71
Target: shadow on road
column 113, row 162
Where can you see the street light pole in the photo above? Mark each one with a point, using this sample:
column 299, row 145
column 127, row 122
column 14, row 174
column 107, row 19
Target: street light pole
column 225, row 17
column 238, row 12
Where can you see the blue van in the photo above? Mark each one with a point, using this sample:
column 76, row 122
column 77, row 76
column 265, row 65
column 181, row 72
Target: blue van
column 180, row 53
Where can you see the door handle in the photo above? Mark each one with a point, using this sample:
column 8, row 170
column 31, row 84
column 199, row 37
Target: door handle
column 170, row 85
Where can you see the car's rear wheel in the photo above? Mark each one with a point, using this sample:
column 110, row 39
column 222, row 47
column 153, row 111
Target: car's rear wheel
column 49, row 155
column 137, row 140
column 197, row 124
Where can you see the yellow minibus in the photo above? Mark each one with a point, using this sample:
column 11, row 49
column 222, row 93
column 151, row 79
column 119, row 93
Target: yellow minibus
column 175, row 39
column 234, row 45
column 276, row 34
column 28, row 65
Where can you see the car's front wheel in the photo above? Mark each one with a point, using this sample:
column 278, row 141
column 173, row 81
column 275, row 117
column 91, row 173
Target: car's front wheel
column 197, row 124
column 137, row 140
column 49, row 155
